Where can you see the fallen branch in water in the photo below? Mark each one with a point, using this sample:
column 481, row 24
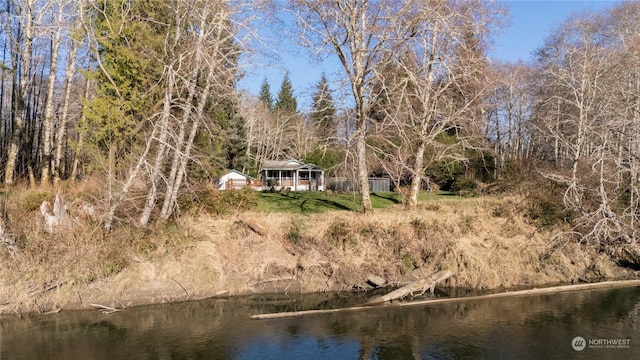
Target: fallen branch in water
column 107, row 310
column 530, row 292
column 419, row 286
column 55, row 310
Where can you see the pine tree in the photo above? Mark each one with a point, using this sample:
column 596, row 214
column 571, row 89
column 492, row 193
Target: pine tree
column 232, row 136
column 286, row 102
column 265, row 94
column 128, row 69
column 323, row 111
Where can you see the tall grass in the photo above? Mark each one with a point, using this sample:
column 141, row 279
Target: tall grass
column 77, row 254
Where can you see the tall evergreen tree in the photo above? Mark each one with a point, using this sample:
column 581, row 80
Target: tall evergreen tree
column 232, row 134
column 286, row 101
column 265, row 94
column 127, row 68
column 323, row 111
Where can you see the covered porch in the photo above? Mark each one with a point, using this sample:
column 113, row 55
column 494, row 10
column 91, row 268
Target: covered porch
column 294, row 175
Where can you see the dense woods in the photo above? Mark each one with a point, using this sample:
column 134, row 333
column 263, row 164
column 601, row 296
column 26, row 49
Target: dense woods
column 142, row 96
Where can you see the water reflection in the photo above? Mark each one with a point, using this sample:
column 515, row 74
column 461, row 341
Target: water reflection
column 525, row 327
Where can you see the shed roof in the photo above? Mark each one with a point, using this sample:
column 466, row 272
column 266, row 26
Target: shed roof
column 239, row 173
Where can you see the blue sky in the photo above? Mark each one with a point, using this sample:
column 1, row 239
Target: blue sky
column 531, row 22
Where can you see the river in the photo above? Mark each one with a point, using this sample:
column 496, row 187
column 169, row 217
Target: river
column 529, row 327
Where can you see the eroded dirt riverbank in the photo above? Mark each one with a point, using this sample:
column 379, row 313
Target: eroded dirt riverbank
column 486, row 244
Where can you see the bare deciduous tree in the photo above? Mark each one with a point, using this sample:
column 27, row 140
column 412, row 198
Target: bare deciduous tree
column 511, row 101
column 588, row 110
column 69, row 74
column 357, row 32
column 424, row 87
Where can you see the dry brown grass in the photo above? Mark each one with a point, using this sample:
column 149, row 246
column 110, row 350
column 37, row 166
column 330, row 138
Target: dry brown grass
column 43, row 268
column 485, row 242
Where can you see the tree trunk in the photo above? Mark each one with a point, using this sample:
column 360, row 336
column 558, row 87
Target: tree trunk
column 416, row 181
column 48, row 108
column 162, row 147
column 21, row 92
column 5, row 124
column 180, row 163
column 60, row 138
column 78, row 150
column 363, row 172
column 175, row 175
column 110, row 215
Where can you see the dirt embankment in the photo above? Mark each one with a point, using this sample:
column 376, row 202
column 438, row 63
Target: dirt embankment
column 485, row 242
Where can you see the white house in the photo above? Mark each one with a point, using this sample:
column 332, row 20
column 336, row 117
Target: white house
column 293, row 174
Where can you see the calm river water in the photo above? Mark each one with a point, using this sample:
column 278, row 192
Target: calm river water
column 532, row 327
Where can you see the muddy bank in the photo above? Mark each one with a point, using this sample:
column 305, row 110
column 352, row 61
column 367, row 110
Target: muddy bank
column 486, row 243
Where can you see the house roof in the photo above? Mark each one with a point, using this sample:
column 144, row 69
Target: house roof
column 288, row 165
column 239, row 173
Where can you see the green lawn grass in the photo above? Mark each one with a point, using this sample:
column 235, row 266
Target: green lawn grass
column 308, row 202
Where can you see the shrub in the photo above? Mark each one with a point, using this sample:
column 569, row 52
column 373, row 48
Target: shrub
column 443, row 173
column 420, row 228
column 545, row 213
column 545, row 206
column 408, row 263
column 243, row 199
column 218, row 202
column 339, row 233
column 295, row 235
column 464, row 186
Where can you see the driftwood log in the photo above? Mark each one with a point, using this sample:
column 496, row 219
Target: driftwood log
column 531, row 292
column 376, row 281
column 106, row 310
column 418, row 286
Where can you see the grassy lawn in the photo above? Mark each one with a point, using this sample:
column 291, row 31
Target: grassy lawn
column 307, row 202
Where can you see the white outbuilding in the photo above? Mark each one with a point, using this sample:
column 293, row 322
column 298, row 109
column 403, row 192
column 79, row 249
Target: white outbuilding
column 234, row 179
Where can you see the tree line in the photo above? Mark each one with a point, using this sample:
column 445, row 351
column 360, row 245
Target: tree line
column 143, row 95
